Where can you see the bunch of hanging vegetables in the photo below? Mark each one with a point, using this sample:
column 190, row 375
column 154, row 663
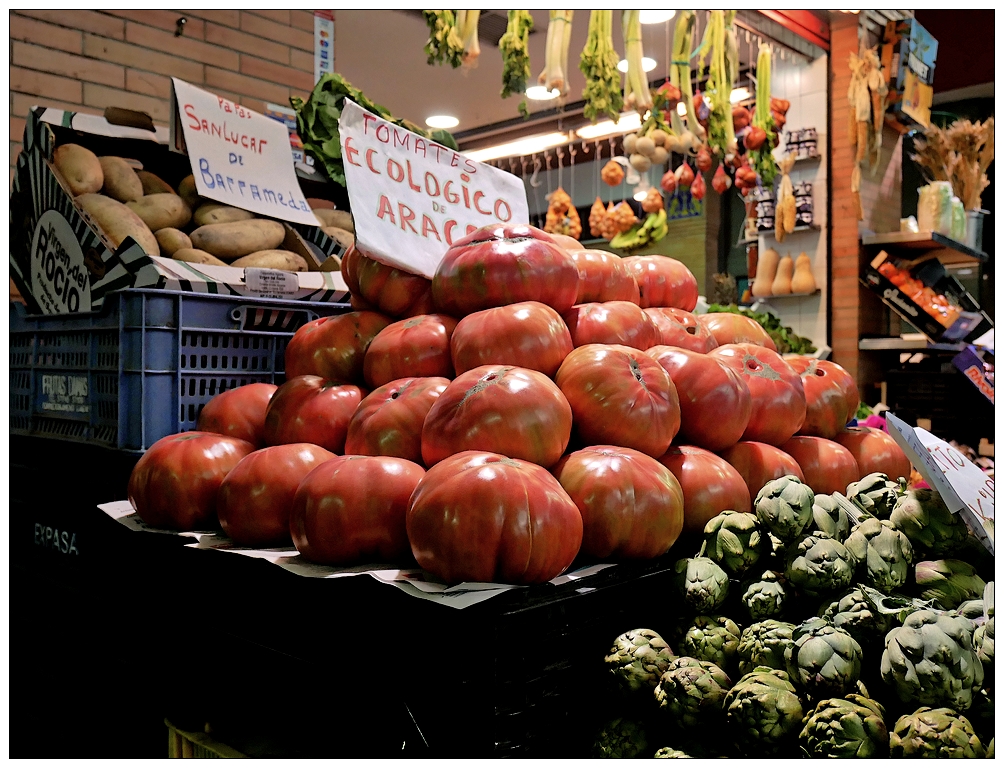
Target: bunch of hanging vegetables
column 691, row 136
column 598, row 63
column 636, row 92
column 720, row 51
column 762, row 136
column 453, row 38
column 515, row 48
column 559, row 35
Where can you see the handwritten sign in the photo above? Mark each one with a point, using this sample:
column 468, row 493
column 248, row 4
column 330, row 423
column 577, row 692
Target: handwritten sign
column 411, row 198
column 963, row 486
column 239, row 157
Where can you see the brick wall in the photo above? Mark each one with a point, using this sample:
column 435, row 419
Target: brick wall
column 88, row 60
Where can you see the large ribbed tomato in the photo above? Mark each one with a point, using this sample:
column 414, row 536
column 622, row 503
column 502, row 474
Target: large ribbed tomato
column 484, row 517
column 663, row 281
column 715, row 403
column 501, row 408
column 760, row 463
column 775, row 391
column 825, row 386
column 620, row 396
column 631, row 505
column 612, row 322
column 527, row 334
column 603, row 276
column 334, row 347
column 351, row 510
column 418, row 346
column 388, row 422
column 387, row 289
column 828, row 467
column 710, row 485
column 254, row 501
column 731, row 328
column 875, row 451
column 498, row 265
column 679, row 328
column 308, row 409
column 174, row 484
column 238, row 412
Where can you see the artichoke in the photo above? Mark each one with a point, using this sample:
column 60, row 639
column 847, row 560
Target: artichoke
column 692, row 693
column 861, row 612
column 703, row 584
column 850, row 727
column 734, row 541
column 765, row 597
column 819, row 564
column 763, row 645
column 828, row 516
column 934, row 733
column 983, row 637
column 930, row 526
column 972, row 610
column 823, row 660
column 638, row 658
column 875, row 495
column 712, row 639
column 784, row 507
column 948, row 582
column 990, row 750
column 621, row 738
column 763, row 712
column 931, row 661
column 670, row 752
column 883, row 554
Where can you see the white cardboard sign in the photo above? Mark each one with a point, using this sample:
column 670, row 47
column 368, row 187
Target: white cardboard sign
column 239, row 157
column 412, row 198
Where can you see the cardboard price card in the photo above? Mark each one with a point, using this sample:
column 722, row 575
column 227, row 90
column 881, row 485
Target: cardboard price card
column 412, row 198
column 239, row 157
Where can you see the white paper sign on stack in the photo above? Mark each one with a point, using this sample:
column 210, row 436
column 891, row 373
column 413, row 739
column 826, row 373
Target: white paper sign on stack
column 412, row 198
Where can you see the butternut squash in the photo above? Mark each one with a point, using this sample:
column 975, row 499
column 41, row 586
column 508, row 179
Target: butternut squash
column 782, row 280
column 803, row 281
column 766, row 270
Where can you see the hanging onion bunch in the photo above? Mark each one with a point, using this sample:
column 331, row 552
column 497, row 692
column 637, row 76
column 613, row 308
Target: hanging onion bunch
column 599, row 64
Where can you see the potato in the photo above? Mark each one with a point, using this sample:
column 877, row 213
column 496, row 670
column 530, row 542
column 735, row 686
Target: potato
column 234, row 239
column 195, row 256
column 80, row 168
column 121, row 181
column 164, row 209
column 342, row 237
column 118, row 221
column 330, row 218
column 172, row 240
column 217, row 213
column 153, row 184
column 273, row 259
column 188, row 192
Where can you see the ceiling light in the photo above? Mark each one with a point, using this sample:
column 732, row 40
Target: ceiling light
column 442, row 121
column 739, row 94
column 681, row 109
column 540, row 93
column 655, row 17
column 526, row 146
column 647, row 64
column 625, row 124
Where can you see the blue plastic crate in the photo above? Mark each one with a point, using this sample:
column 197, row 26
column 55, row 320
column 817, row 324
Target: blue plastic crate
column 143, row 367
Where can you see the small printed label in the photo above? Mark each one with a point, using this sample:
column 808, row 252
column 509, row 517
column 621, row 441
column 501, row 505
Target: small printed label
column 48, row 537
column 271, row 283
column 65, row 394
column 59, row 277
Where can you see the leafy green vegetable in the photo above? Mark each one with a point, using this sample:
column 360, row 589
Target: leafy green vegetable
column 515, row 48
column 784, row 337
column 444, row 43
column 599, row 64
column 761, row 160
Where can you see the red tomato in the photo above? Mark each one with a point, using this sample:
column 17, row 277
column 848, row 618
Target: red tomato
column 388, row 422
column 775, row 391
column 828, row 467
column 663, row 281
column 730, row 328
column 514, row 411
column 760, row 463
column 603, row 276
column 498, row 265
column 418, row 346
column 631, row 505
column 613, row 322
column 567, row 242
column 351, row 510
column 484, row 517
column 715, row 404
column 825, row 386
column 308, row 409
column 254, row 501
column 238, row 412
column 387, row 289
column 334, row 347
column 875, row 451
column 620, row 396
column 710, row 485
column 679, row 328
column 528, row 335
column 174, row 484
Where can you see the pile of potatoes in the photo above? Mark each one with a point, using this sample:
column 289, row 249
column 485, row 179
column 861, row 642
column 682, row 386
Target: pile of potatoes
column 180, row 224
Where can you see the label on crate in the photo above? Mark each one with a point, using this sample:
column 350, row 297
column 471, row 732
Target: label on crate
column 64, row 394
column 48, row 537
column 271, row 283
column 59, row 275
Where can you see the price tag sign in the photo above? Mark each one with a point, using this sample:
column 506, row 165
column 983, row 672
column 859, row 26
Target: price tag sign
column 239, row 157
column 964, row 487
column 412, row 198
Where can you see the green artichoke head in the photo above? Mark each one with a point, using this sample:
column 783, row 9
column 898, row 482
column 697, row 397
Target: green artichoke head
column 734, row 541
column 784, row 507
column 692, row 694
column 763, row 645
column 948, row 582
column 983, row 641
column 702, row 583
column 932, row 528
column 857, row 612
column 638, row 658
column 714, row 639
column 823, row 660
column 765, row 596
column 874, row 494
column 934, row 733
column 763, row 712
column 883, row 554
column 670, row 752
column 828, row 516
column 853, row 726
column 819, row 564
column 622, row 738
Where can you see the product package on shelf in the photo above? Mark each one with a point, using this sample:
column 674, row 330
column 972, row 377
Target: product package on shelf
column 803, row 142
column 764, row 210
column 803, row 204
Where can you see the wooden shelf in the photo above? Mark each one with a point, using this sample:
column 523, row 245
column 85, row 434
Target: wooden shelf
column 770, row 234
column 808, row 159
column 899, row 343
column 926, row 245
column 816, row 292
